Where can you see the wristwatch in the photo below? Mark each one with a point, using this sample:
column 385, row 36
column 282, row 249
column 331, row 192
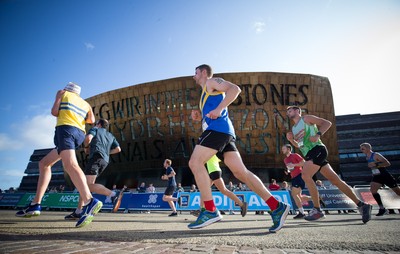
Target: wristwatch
column 319, row 133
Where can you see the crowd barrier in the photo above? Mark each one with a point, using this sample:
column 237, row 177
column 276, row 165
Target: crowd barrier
column 333, row 198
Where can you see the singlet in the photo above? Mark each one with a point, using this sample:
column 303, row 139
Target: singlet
column 375, row 171
column 209, row 102
column 102, row 142
column 294, row 158
column 171, row 180
column 73, row 111
column 213, row 164
column 302, row 133
column 371, row 158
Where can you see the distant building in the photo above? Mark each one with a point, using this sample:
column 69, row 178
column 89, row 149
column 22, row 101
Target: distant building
column 382, row 131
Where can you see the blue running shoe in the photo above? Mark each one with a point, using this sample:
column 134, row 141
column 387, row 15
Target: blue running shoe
column 29, row 211
column 279, row 217
column 205, row 218
column 88, row 212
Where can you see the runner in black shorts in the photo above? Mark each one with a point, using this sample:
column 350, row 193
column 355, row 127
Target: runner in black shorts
column 169, row 191
column 219, row 136
column 380, row 176
column 306, row 135
column 99, row 144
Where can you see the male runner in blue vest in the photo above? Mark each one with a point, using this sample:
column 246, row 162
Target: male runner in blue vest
column 380, row 176
column 219, row 136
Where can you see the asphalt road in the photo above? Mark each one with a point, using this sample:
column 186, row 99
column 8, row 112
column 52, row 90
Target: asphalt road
column 337, row 233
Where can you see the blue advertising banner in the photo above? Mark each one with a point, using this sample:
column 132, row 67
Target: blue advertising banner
column 191, row 200
column 107, row 203
column 144, row 201
column 10, row 199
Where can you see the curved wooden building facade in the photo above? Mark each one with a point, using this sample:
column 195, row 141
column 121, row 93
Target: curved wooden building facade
column 152, row 122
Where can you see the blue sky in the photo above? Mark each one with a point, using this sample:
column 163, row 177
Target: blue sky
column 105, row 45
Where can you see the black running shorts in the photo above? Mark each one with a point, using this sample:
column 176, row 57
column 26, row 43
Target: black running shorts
column 95, row 165
column 169, row 191
column 298, row 182
column 384, row 178
column 215, row 175
column 318, row 155
column 219, row 141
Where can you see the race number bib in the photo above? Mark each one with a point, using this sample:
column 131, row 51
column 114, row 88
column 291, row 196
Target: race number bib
column 204, row 125
column 290, row 169
column 375, row 171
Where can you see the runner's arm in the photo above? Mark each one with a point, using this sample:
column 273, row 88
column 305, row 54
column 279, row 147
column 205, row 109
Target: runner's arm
column 231, row 93
column 56, row 105
column 381, row 161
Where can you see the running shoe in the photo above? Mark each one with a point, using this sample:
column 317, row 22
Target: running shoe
column 116, row 200
column 243, row 209
column 382, row 211
column 73, row 216
column 279, row 216
column 299, row 216
column 173, row 214
column 88, row 211
column 315, row 215
column 205, row 218
column 29, row 211
column 365, row 211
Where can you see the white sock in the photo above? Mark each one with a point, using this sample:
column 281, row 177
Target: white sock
column 301, row 210
column 78, row 211
column 90, row 200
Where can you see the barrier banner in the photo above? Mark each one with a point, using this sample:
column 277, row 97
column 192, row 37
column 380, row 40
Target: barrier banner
column 191, row 200
column 144, row 201
column 52, row 200
column 62, row 200
column 132, row 201
column 107, row 203
column 389, row 199
column 334, row 199
column 10, row 199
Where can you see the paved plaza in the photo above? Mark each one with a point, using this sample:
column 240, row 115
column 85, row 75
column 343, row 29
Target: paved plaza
column 158, row 233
